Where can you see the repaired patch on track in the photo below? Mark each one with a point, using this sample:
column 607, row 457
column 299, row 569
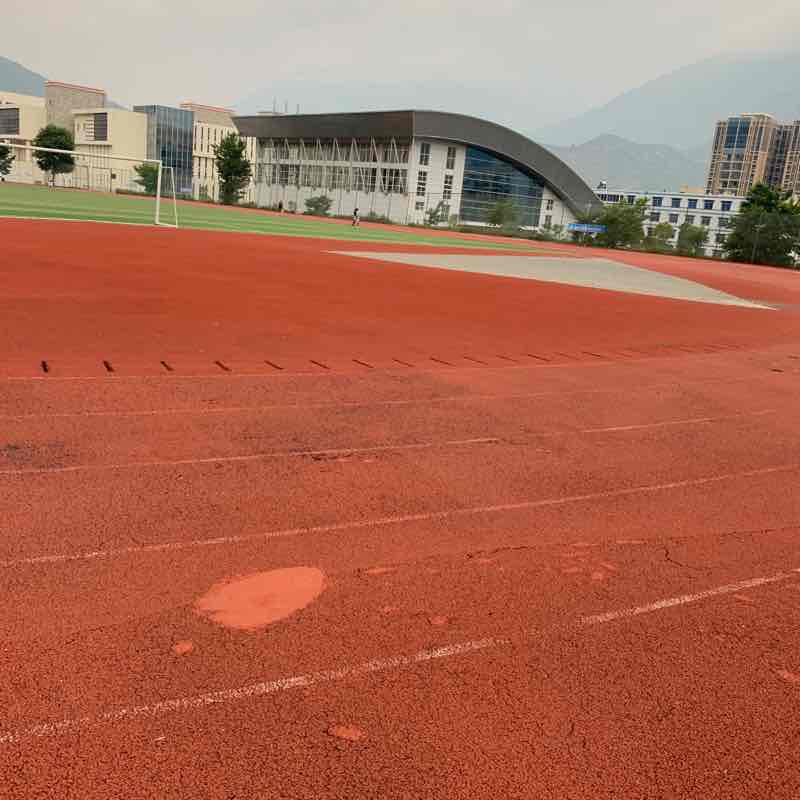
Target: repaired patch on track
column 594, row 273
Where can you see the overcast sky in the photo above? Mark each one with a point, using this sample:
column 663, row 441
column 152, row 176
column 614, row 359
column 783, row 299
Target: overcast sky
column 560, row 56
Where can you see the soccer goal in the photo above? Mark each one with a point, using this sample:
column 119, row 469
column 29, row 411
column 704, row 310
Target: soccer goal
column 89, row 184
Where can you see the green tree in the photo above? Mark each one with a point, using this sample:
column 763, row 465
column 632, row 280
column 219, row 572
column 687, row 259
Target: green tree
column 503, row 213
column 319, row 206
column 59, row 139
column 622, row 222
column 148, row 177
column 691, row 240
column 767, row 229
column 6, row 159
column 438, row 214
column 658, row 240
column 233, row 168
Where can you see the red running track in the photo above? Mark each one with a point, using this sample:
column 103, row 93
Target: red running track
column 564, row 578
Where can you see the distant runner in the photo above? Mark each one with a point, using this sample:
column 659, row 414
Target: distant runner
column 356, row 219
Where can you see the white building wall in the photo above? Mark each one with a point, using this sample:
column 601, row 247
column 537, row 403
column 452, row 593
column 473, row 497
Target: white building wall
column 436, row 170
column 676, row 208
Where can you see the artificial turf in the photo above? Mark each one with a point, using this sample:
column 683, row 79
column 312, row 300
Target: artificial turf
column 20, row 200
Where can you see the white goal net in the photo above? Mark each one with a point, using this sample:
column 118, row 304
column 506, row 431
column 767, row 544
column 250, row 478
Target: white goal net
column 96, row 185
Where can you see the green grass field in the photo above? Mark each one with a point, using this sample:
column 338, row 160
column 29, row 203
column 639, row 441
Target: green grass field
column 17, row 200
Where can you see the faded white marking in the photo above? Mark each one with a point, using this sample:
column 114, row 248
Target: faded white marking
column 685, row 599
column 262, row 688
column 252, row 690
column 395, row 520
column 186, row 462
column 344, row 451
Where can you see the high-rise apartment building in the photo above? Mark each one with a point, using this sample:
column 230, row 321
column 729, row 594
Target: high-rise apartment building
column 754, row 148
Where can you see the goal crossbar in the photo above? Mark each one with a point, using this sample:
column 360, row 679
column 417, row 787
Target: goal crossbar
column 134, row 159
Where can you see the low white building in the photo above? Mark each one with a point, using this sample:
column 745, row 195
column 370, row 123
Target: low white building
column 714, row 212
column 412, row 167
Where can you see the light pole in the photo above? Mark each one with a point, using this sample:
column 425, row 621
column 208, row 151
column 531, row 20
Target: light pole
column 758, row 226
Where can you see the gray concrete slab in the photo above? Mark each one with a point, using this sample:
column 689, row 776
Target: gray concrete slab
column 593, row 273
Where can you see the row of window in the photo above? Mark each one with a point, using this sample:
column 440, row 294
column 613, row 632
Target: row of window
column 422, row 185
column 720, row 238
column 677, row 202
column 425, row 156
column 724, row 222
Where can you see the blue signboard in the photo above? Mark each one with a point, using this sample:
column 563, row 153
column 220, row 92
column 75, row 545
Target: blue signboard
column 582, row 227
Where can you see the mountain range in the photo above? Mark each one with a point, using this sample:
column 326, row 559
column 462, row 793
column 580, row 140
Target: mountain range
column 16, row 78
column 653, row 137
column 680, row 108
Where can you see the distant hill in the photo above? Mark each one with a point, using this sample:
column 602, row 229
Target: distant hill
column 681, row 108
column 629, row 165
column 16, row 78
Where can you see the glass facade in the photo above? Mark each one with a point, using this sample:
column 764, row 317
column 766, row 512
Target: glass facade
column 489, row 180
column 170, row 134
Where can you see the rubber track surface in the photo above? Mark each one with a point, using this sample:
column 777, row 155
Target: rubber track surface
column 558, row 526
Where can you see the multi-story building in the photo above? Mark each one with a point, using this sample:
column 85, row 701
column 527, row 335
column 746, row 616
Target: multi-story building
column 170, row 133
column 715, row 213
column 750, row 149
column 412, row 166
column 211, row 125
column 102, row 134
column 61, row 99
column 22, row 116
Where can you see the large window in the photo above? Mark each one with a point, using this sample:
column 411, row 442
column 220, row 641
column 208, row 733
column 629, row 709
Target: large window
column 726, row 205
column 658, row 202
column 676, row 202
column 673, row 218
column 9, row 121
column 736, row 134
column 451, row 158
column 708, row 205
column 422, row 183
column 693, row 203
column 424, row 154
column 101, row 127
column 169, row 138
column 654, row 216
column 447, row 193
column 489, row 180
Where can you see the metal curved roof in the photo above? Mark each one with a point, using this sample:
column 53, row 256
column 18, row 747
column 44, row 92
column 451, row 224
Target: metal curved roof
column 524, row 153
column 511, row 146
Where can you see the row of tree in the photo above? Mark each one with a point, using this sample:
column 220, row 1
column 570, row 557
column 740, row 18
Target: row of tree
column 766, row 231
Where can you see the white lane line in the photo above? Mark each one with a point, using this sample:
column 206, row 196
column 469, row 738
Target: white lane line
column 186, row 462
column 380, row 522
column 344, row 451
column 685, row 599
column 262, row 688
column 674, row 422
column 342, row 404
column 674, row 384
column 259, row 689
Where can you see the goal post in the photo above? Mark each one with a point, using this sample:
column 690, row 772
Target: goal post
column 112, row 188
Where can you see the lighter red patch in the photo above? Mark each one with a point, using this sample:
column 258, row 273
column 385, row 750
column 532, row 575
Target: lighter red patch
column 571, row 570
column 347, row 732
column 597, row 575
column 743, row 598
column 378, row 570
column 791, row 677
column 258, row 600
column 438, row 620
column 182, row 648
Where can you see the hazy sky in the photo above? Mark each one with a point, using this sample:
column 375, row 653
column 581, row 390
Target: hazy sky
column 559, row 56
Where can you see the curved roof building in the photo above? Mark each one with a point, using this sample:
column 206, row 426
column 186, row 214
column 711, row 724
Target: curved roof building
column 413, row 166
